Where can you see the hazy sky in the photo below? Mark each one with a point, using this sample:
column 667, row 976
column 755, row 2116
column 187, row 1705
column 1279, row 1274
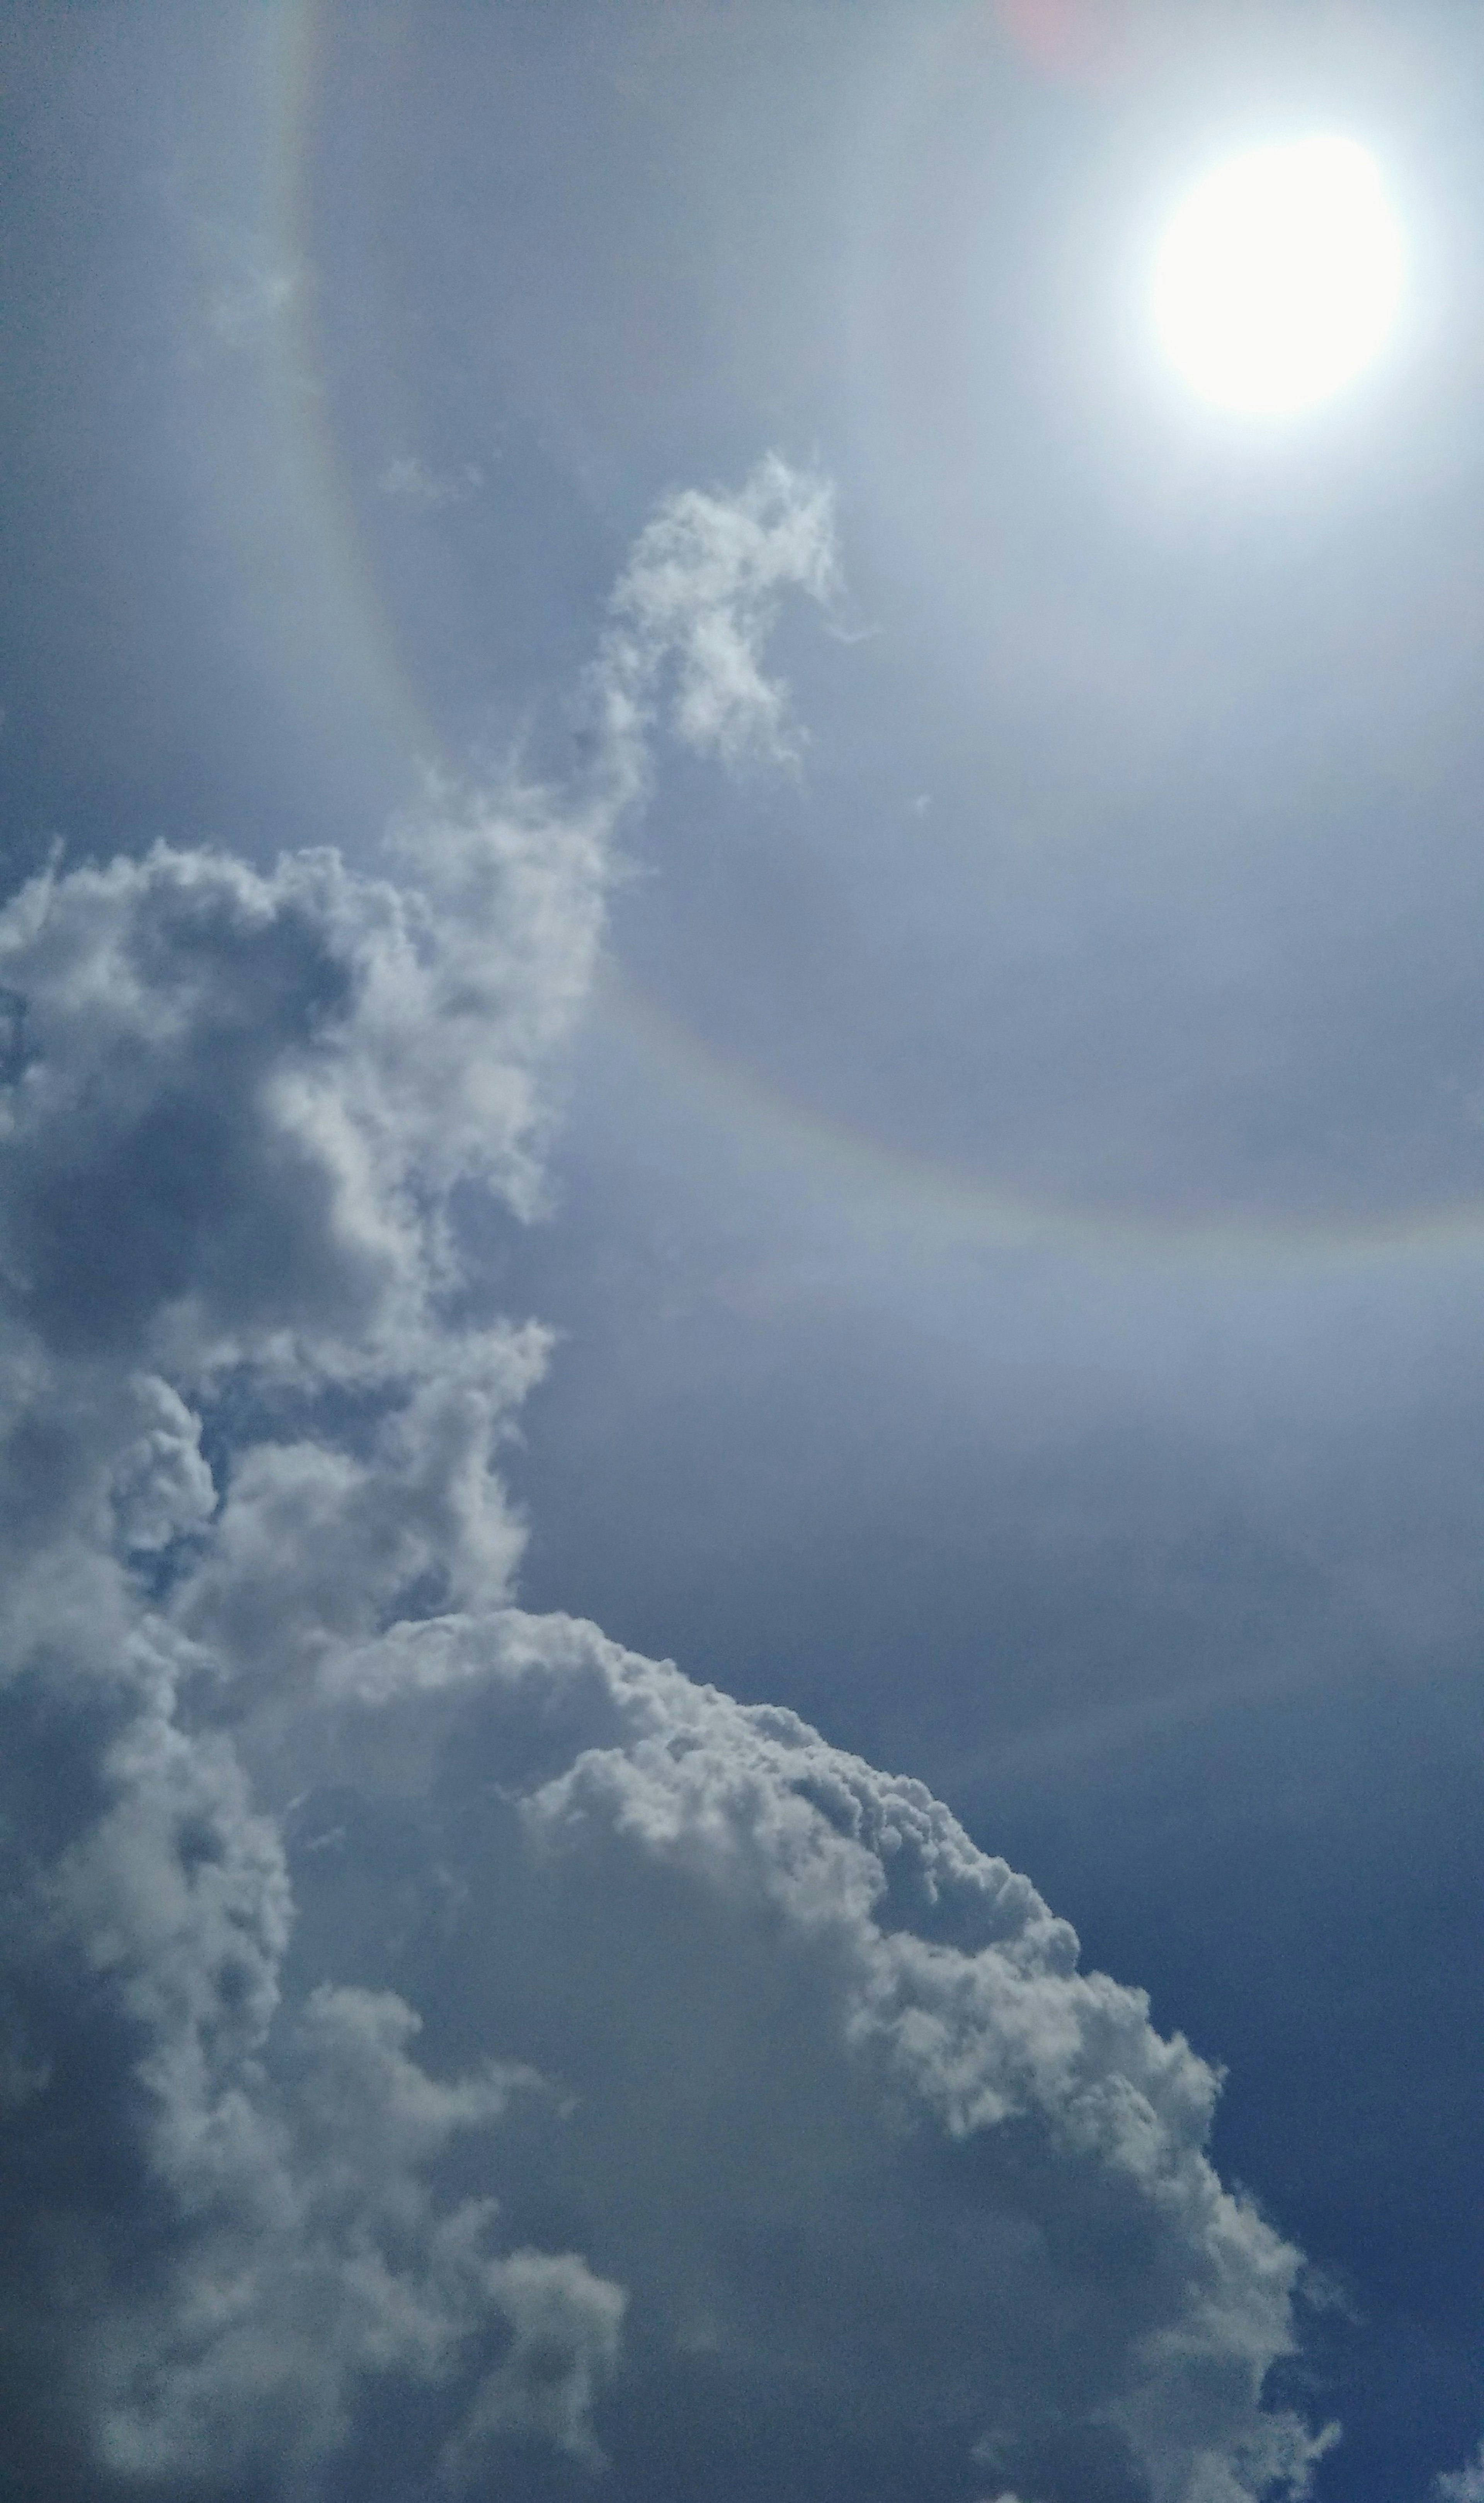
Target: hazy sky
column 754, row 957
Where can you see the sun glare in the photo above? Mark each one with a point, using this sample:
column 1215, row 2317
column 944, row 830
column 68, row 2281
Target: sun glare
column 1279, row 277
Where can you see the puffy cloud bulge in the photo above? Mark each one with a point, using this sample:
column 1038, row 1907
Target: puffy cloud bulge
column 440, row 2051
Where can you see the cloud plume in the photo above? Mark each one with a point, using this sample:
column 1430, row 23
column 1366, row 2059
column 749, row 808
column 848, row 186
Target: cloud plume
column 441, row 2051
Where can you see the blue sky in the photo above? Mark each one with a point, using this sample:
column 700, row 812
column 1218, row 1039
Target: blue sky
column 812, row 999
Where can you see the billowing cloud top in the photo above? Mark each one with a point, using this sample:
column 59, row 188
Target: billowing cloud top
column 442, row 2051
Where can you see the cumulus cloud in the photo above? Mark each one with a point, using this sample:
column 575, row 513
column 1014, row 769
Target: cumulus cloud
column 871, row 2154
column 441, row 2051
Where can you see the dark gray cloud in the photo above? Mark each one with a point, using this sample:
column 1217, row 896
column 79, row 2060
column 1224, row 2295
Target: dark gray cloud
column 441, row 2047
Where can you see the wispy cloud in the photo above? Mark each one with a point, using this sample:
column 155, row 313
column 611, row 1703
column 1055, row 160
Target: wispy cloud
column 247, row 307
column 409, row 480
column 699, row 598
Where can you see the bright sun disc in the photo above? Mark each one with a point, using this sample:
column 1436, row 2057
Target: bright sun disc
column 1279, row 276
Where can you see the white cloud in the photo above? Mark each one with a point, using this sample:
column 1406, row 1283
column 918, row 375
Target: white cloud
column 1463, row 2485
column 408, row 480
column 700, row 594
column 439, row 2046
column 241, row 313
column 249, row 289
column 329, row 2263
column 845, row 2042
column 564, row 2350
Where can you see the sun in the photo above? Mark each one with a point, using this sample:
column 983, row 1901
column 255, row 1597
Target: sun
column 1279, row 277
